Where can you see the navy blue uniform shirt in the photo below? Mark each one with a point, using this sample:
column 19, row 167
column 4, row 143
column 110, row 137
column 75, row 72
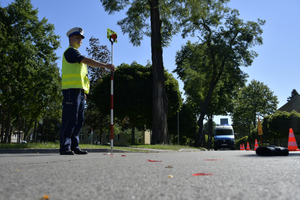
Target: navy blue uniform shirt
column 72, row 55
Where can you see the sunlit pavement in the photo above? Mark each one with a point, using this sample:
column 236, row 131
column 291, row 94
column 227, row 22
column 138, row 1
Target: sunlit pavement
column 170, row 175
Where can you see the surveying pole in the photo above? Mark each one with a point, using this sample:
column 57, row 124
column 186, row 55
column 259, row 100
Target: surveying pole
column 112, row 37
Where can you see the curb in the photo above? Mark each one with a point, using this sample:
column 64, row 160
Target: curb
column 56, row 151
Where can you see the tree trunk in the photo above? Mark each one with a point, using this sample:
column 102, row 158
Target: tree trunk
column 28, row 126
column 35, row 132
column 160, row 134
column 101, row 129
column 9, row 135
column 199, row 135
column 210, row 131
column 19, row 127
column 7, row 124
column 2, row 126
column 43, row 131
column 133, row 132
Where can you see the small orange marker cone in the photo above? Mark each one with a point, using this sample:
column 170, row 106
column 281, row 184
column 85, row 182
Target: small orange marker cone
column 243, row 147
column 248, row 147
column 292, row 144
column 255, row 145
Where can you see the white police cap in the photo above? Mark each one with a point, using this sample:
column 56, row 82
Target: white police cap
column 75, row 31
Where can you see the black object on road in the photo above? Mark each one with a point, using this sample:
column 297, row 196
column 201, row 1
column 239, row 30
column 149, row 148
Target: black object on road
column 272, row 151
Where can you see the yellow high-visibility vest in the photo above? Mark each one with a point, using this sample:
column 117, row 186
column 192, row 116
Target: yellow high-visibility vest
column 75, row 75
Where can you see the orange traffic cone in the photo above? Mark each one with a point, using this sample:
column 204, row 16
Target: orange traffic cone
column 248, row 147
column 292, row 144
column 255, row 145
column 243, row 147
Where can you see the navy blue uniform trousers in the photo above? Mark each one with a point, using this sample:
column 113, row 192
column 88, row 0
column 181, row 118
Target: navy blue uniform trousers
column 72, row 118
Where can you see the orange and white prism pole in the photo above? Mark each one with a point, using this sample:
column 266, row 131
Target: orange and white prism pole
column 112, row 36
column 112, row 104
column 112, row 113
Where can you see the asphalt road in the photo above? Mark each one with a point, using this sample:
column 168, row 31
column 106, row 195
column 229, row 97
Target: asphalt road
column 177, row 175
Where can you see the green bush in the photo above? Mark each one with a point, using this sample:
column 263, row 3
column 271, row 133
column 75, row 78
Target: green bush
column 240, row 141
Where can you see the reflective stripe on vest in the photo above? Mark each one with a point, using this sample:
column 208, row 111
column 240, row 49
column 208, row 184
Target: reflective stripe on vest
column 74, row 75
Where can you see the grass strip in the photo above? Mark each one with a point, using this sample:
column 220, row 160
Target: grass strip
column 52, row 145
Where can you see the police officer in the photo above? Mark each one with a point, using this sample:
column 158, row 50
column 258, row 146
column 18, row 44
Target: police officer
column 75, row 86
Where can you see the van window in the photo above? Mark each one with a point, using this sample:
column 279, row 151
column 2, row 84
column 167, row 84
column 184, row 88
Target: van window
column 224, row 132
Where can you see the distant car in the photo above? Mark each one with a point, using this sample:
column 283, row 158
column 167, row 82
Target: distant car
column 23, row 142
column 97, row 142
column 224, row 137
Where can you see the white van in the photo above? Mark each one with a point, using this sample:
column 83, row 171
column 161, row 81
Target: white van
column 224, row 137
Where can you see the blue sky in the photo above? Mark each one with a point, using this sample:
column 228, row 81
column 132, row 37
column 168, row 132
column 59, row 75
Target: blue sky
column 277, row 64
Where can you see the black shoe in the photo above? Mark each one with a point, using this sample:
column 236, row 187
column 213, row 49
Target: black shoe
column 68, row 152
column 79, row 151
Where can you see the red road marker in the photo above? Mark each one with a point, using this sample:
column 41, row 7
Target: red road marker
column 154, row 160
column 202, row 174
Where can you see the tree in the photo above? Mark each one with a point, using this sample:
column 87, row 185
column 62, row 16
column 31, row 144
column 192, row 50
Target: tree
column 163, row 17
column 100, row 53
column 133, row 94
column 187, row 125
column 29, row 76
column 255, row 100
column 208, row 130
column 93, row 116
column 224, row 45
column 294, row 93
column 197, row 83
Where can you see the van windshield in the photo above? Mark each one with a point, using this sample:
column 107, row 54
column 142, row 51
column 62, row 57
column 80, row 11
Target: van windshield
column 224, row 132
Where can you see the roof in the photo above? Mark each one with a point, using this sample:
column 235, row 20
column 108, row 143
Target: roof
column 293, row 104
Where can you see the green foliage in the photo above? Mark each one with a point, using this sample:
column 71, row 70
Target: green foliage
column 158, row 19
column 137, row 21
column 255, row 100
column 194, row 69
column 49, row 130
column 29, row 76
column 99, row 53
column 133, row 94
column 127, row 134
column 242, row 140
column 30, row 145
column 208, row 131
column 277, row 126
column 173, row 94
column 187, row 126
column 51, row 145
column 93, row 117
column 225, row 44
column 249, row 138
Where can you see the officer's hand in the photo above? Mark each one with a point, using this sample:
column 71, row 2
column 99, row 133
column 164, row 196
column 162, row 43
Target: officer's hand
column 111, row 67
